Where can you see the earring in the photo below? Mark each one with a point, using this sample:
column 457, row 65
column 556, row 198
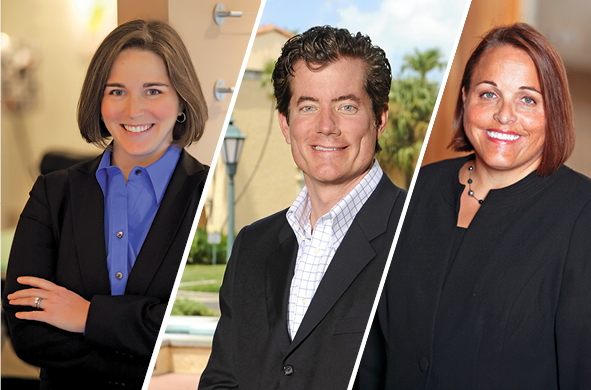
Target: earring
column 184, row 118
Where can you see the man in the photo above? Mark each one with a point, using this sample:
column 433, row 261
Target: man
column 301, row 283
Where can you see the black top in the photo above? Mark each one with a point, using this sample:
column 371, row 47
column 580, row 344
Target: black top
column 509, row 307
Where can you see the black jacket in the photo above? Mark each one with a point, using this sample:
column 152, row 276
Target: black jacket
column 60, row 237
column 252, row 347
column 508, row 306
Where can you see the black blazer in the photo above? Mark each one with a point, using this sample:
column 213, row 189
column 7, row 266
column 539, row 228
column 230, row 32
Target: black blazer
column 60, row 237
column 504, row 304
column 252, row 347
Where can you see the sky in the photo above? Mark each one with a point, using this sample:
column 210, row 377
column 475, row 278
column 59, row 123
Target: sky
column 397, row 26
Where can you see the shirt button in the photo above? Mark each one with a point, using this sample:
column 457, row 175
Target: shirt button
column 138, row 172
column 119, row 234
column 288, row 370
column 317, row 251
column 423, row 364
column 118, row 275
column 304, row 301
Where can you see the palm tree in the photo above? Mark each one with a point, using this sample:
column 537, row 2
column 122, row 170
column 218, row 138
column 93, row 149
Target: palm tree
column 423, row 62
column 266, row 79
column 411, row 104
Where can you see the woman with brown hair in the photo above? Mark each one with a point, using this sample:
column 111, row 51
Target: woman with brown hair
column 489, row 283
column 98, row 246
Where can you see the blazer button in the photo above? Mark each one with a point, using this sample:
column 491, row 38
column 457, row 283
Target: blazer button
column 288, row 370
column 423, row 364
column 118, row 275
column 119, row 234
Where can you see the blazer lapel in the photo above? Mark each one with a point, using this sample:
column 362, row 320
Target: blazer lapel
column 89, row 228
column 179, row 193
column 352, row 256
column 280, row 265
column 354, row 253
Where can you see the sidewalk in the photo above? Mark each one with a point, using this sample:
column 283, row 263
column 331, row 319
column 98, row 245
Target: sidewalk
column 174, row 381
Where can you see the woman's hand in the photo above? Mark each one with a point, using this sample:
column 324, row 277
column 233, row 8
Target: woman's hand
column 59, row 306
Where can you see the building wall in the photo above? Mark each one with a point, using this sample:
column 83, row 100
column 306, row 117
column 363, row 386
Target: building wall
column 62, row 36
column 276, row 182
column 266, row 47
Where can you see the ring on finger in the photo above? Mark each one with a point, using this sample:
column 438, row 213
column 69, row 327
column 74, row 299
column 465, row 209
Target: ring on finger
column 38, row 302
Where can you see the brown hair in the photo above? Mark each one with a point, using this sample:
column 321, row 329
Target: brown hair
column 560, row 128
column 157, row 37
column 320, row 46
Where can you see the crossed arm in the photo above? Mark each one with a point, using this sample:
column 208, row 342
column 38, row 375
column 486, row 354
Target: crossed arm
column 72, row 328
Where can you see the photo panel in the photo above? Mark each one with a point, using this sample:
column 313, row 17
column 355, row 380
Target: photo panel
column 418, row 41
column 46, row 51
column 486, row 284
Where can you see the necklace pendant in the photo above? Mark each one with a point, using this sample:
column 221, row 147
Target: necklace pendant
column 470, row 192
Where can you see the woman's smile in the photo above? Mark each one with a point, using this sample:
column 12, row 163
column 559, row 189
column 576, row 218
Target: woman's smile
column 137, row 128
column 502, row 136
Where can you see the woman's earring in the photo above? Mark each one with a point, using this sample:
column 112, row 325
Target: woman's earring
column 184, row 118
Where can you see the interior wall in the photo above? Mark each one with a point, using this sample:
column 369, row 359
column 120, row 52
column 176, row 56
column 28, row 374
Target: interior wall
column 61, row 37
column 580, row 87
column 483, row 15
column 566, row 26
column 552, row 20
column 217, row 51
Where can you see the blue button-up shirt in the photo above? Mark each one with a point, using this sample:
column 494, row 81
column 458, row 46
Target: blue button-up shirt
column 130, row 209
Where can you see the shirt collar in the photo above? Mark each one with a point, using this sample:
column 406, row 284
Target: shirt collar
column 159, row 172
column 342, row 214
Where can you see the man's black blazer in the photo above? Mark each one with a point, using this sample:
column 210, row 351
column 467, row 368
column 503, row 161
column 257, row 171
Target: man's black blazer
column 60, row 237
column 252, row 348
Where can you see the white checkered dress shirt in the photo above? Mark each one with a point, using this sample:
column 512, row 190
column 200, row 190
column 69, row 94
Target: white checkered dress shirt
column 317, row 249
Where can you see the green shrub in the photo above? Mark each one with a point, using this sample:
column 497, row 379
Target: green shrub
column 188, row 307
column 202, row 251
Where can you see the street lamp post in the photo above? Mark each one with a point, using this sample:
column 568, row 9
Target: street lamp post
column 231, row 149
